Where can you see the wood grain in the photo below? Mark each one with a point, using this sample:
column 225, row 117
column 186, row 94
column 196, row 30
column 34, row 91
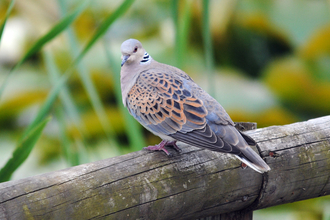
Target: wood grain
column 193, row 184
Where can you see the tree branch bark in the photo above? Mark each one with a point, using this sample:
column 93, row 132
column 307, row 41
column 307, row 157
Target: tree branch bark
column 193, row 184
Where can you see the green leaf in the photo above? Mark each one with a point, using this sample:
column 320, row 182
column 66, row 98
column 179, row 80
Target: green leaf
column 2, row 27
column 104, row 27
column 69, row 150
column 22, row 150
column 85, row 77
column 182, row 25
column 56, row 30
column 65, row 97
column 47, row 104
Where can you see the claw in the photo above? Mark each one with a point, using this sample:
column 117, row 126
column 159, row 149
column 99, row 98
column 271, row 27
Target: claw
column 162, row 145
column 173, row 143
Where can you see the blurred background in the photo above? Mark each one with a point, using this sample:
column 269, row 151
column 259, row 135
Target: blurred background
column 264, row 61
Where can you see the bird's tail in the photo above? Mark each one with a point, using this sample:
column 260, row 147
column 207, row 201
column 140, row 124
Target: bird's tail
column 253, row 160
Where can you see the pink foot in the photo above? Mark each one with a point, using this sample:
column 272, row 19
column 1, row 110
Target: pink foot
column 162, row 145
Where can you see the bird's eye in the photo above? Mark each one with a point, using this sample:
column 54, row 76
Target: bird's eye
column 135, row 49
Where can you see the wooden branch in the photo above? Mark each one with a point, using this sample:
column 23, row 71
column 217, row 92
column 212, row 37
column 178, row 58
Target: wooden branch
column 190, row 185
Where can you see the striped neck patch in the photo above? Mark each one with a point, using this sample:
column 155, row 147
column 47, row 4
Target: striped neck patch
column 146, row 58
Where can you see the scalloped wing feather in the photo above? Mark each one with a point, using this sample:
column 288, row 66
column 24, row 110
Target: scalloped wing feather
column 161, row 103
column 169, row 105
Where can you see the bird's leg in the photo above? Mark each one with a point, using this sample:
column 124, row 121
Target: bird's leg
column 162, row 145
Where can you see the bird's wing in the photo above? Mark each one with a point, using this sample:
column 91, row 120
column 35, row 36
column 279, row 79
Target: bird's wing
column 169, row 105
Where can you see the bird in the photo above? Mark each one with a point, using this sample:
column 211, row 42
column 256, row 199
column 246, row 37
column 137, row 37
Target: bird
column 167, row 102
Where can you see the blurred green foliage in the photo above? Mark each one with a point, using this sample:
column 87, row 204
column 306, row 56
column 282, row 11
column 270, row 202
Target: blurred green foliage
column 22, row 151
column 264, row 61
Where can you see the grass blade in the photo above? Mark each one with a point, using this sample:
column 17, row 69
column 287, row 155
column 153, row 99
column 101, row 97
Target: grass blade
column 22, row 151
column 182, row 25
column 104, row 27
column 83, row 73
column 69, row 150
column 65, row 96
column 133, row 130
column 47, row 104
column 96, row 103
column 175, row 15
column 2, row 27
column 56, row 30
column 208, row 49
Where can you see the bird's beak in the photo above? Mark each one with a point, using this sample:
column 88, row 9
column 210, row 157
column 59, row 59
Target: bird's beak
column 124, row 59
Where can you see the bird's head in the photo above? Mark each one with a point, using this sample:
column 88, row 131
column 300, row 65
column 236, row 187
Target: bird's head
column 132, row 52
